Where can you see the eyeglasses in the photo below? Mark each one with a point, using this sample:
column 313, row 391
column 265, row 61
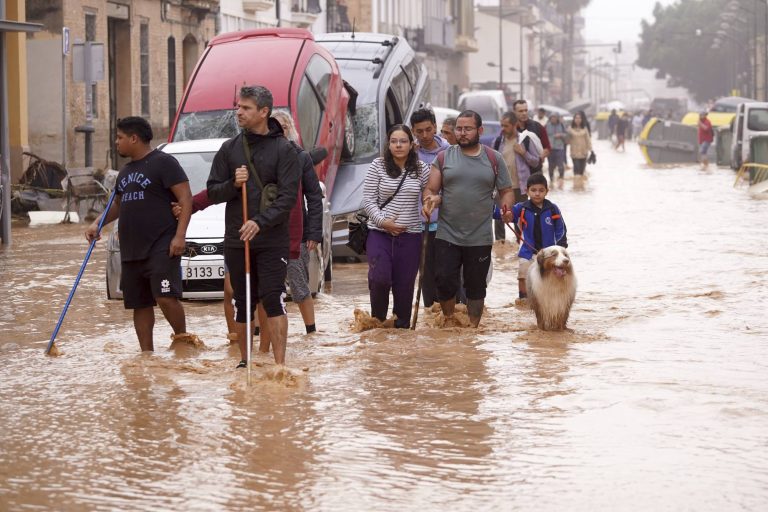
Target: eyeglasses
column 395, row 142
column 465, row 129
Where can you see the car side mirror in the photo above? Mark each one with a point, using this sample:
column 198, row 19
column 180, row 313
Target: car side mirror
column 318, row 154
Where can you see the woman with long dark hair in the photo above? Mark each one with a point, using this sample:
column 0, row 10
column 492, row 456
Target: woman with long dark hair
column 391, row 198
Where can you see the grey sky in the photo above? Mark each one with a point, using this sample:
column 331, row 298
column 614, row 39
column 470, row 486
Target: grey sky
column 614, row 20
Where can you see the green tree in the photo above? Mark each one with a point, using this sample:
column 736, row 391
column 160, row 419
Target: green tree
column 569, row 9
column 678, row 44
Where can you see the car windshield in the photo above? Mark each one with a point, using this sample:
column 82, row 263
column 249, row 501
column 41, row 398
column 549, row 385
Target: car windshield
column 758, row 120
column 197, row 166
column 213, row 124
column 724, row 107
column 366, row 122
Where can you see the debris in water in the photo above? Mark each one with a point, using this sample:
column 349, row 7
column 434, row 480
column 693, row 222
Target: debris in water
column 185, row 338
column 365, row 322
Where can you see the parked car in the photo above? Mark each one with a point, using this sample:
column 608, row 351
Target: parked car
column 490, row 104
column 390, row 83
column 202, row 265
column 298, row 72
column 751, row 120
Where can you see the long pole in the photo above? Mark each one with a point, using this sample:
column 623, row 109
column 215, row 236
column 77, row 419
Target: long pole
column 501, row 46
column 248, row 333
column 80, row 274
column 520, row 25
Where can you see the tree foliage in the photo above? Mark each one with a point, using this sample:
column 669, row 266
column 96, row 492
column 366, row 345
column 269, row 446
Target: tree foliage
column 678, row 45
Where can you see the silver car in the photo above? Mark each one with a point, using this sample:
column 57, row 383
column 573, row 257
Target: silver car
column 202, row 265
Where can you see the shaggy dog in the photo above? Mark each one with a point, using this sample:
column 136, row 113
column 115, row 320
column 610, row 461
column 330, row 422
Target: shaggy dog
column 551, row 287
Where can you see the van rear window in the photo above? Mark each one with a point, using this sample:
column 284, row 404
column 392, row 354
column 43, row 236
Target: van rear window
column 758, row 120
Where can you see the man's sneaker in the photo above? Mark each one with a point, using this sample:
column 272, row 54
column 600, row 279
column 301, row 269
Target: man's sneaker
column 242, row 364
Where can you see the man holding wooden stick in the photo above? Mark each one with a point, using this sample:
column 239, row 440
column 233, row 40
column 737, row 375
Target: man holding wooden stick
column 264, row 160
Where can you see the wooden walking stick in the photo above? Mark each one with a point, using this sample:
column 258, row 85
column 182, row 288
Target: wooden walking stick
column 424, row 242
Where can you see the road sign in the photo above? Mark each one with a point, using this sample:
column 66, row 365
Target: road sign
column 65, row 41
column 96, row 65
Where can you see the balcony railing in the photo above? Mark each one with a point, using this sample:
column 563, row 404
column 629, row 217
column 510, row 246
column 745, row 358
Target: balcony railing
column 258, row 5
column 305, row 12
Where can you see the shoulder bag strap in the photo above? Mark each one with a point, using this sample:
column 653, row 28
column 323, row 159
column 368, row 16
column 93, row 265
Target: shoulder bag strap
column 247, row 151
column 390, row 198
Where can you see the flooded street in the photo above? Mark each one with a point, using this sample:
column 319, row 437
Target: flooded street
column 658, row 399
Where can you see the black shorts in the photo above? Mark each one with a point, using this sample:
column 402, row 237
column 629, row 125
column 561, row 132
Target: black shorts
column 269, row 267
column 144, row 280
column 449, row 258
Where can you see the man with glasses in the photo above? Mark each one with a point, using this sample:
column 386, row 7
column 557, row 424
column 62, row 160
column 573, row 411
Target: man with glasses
column 462, row 183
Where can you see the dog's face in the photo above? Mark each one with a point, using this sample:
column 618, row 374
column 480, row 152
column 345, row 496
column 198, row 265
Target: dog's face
column 554, row 259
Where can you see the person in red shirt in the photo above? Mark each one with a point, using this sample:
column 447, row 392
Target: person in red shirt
column 706, row 136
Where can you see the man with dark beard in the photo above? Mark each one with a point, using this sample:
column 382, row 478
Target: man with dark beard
column 462, row 183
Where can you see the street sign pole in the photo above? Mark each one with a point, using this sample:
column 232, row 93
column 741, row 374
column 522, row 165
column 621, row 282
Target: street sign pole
column 64, row 53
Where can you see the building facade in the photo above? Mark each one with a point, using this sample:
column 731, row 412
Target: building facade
column 442, row 32
column 149, row 50
column 520, row 50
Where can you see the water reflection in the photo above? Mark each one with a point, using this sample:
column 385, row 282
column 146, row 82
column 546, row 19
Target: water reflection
column 657, row 400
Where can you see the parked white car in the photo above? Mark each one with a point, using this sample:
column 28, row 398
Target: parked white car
column 202, row 265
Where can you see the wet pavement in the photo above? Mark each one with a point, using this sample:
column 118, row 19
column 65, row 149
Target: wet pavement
column 657, row 399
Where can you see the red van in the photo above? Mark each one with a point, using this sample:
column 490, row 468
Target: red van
column 289, row 63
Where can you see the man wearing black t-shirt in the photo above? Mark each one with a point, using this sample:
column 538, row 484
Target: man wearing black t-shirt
column 276, row 163
column 151, row 239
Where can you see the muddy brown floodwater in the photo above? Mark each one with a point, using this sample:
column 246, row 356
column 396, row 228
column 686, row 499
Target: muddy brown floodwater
column 658, row 399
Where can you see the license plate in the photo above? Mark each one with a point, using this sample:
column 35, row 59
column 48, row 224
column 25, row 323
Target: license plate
column 203, row 272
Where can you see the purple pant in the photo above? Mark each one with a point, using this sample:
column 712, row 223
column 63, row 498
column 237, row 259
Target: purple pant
column 393, row 262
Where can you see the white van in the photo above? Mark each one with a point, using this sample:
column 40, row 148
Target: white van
column 491, row 104
column 751, row 120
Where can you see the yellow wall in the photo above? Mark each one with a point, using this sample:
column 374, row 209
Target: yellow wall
column 18, row 119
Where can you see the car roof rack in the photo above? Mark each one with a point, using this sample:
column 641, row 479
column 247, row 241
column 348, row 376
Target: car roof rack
column 379, row 61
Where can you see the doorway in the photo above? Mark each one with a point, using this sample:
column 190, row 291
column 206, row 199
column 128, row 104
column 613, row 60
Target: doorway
column 120, row 80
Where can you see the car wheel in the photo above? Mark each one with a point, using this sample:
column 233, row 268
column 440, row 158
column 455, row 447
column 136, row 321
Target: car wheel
column 348, row 149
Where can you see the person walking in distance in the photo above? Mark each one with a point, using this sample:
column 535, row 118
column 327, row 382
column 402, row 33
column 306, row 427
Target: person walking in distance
column 393, row 185
column 259, row 157
column 558, row 135
column 706, row 136
column 151, row 239
column 580, row 141
column 429, row 145
column 520, row 108
column 462, row 183
column 520, row 155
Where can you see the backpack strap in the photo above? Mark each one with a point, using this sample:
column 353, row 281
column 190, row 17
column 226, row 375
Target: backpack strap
column 440, row 159
column 491, row 154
